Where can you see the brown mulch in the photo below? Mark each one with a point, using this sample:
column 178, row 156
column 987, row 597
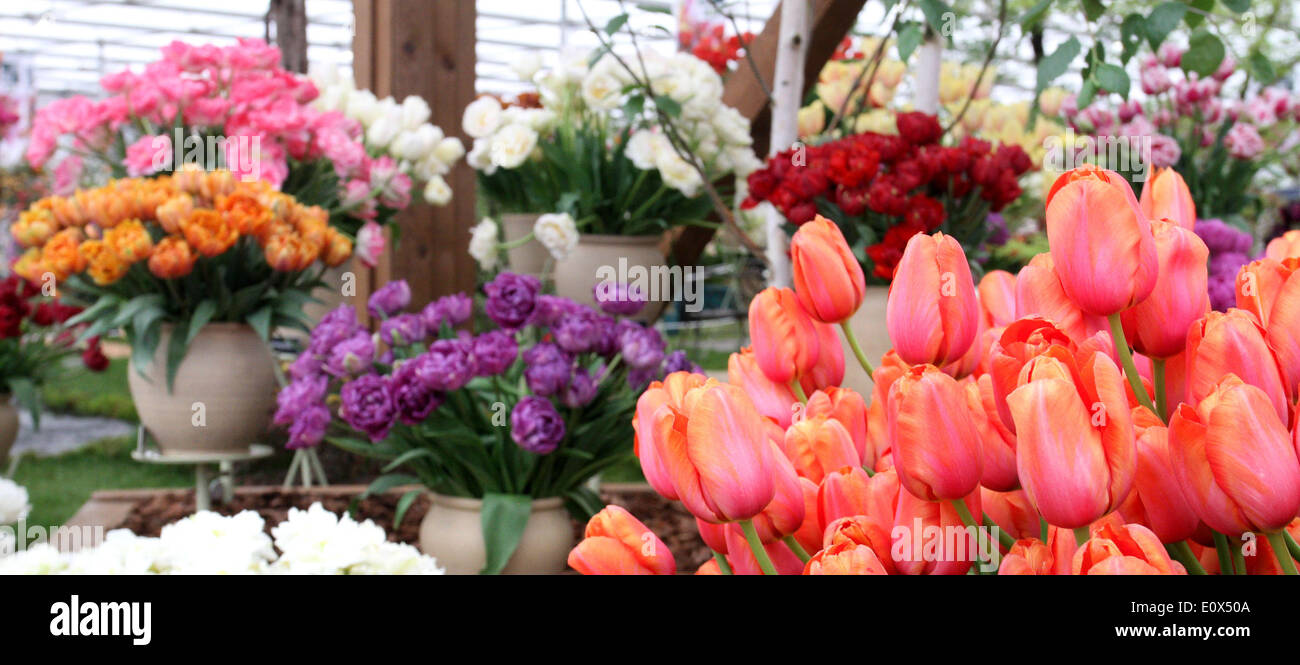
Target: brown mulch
column 668, row 520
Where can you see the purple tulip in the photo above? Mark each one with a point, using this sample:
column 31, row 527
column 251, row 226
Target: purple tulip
column 619, row 298
column 352, row 356
column 511, row 299
column 578, row 332
column 336, row 326
column 368, row 406
column 494, row 352
column 412, row 396
column 642, row 348
column 551, row 309
column 308, row 428
column 298, row 396
column 678, row 362
column 548, row 369
column 390, row 299
column 581, row 389
column 536, row 426
column 452, row 310
column 446, row 366
column 402, row 330
column 306, row 365
column 638, row 378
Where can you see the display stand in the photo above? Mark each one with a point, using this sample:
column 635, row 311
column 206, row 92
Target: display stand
column 306, row 465
column 202, row 463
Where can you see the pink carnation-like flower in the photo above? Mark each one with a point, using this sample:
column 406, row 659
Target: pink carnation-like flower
column 1243, row 141
column 370, row 244
column 1165, row 151
column 148, row 155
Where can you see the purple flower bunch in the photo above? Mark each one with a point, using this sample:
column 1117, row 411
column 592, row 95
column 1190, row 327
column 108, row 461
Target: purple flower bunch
column 1230, row 249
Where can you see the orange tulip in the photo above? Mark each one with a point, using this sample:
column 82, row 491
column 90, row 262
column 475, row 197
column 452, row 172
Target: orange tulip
column 1285, row 246
column 1271, row 291
column 1019, row 344
column 172, row 258
column 827, row 277
column 103, row 264
column 1233, row 343
column 1039, row 294
column 338, row 248
column 864, row 531
column 809, row 534
column 819, row 445
column 829, row 369
column 774, row 400
column 1124, row 549
column 997, row 440
column 937, row 451
column 848, row 491
column 1101, row 241
column 616, row 543
column 241, row 209
column 786, row 343
column 289, row 252
column 68, row 211
column 1235, row 460
column 206, row 231
column 1166, row 195
column 173, row 211
column 721, row 469
column 997, row 294
column 34, row 227
column 891, row 367
column 742, row 558
column 215, row 184
column 1157, row 326
column 847, row 407
column 30, row 266
column 709, row 567
column 130, row 241
column 785, row 513
column 61, row 256
column 845, row 559
column 660, row 413
column 929, row 537
column 1157, row 500
column 1012, row 511
column 933, row 313
column 1075, row 442
column 1031, row 556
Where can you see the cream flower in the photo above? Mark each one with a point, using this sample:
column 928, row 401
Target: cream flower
column 678, row 173
column 482, row 117
column 415, row 112
column 558, row 233
column 13, row 502
column 643, row 148
column 511, row 145
column 449, row 150
column 363, row 106
column 437, row 191
column 526, row 66
column 478, row 157
column 483, row 243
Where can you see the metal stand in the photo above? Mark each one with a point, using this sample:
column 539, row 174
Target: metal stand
column 203, row 463
column 306, row 463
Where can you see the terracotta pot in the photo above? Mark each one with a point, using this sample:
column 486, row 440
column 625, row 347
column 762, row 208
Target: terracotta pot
column 229, row 370
column 452, row 532
column 530, row 258
column 868, row 325
column 623, row 258
column 8, row 425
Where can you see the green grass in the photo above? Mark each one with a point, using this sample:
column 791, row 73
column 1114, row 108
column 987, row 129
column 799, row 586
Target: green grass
column 60, row 484
column 86, row 393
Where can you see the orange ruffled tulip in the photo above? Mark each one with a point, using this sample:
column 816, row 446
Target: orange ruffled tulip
column 847, row 407
column 827, row 277
column 208, row 232
column 1157, row 326
column 172, row 258
column 937, row 451
column 933, row 312
column 819, row 445
column 102, row 263
column 1166, row 195
column 616, row 543
column 173, row 211
column 845, row 559
column 1124, row 549
column 1075, row 442
column 1101, row 241
column 1235, row 460
column 786, row 343
column 861, row 530
column 1233, row 343
column 129, row 240
column 1285, row 246
column 1157, row 500
column 338, row 248
column 62, row 255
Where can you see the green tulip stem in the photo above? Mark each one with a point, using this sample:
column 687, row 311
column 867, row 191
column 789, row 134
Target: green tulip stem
column 1158, row 371
column 756, row 546
column 1290, row 543
column 1183, row 553
column 1225, row 557
column 795, row 547
column 1003, row 537
column 723, row 566
column 798, row 391
column 1281, row 553
column 857, row 349
column 1126, row 359
column 1081, row 535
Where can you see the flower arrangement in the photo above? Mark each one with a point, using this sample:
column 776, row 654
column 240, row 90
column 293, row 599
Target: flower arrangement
column 235, row 107
column 309, row 542
column 182, row 251
column 1217, row 138
column 530, row 408
column 34, row 342
column 1082, row 417
column 589, row 145
column 882, row 189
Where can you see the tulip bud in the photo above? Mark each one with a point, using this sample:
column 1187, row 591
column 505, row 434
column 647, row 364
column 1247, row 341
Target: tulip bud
column 997, row 294
column 786, row 343
column 1031, row 556
column 847, row 407
column 616, row 543
column 845, row 493
column 774, row 400
column 933, row 313
column 1285, row 246
column 659, row 414
column 861, row 530
column 1235, row 460
column 827, row 277
column 1271, row 291
column 1101, row 242
column 723, row 469
column 1124, row 549
column 1157, row 326
column 809, row 534
column 1039, row 294
column 819, row 445
column 845, row 559
column 1166, row 195
column 916, row 552
column 829, row 369
column 1233, row 343
column 1157, row 500
column 937, row 451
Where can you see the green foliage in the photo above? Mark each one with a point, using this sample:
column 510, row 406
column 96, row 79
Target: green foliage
column 82, row 392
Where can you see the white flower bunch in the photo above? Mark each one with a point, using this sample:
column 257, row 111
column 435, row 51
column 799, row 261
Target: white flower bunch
column 483, row 243
column 503, row 137
column 312, row 541
column 14, row 504
column 400, row 130
column 558, row 233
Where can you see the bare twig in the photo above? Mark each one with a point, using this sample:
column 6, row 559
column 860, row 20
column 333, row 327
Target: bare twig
column 749, row 57
column 988, row 58
column 874, row 64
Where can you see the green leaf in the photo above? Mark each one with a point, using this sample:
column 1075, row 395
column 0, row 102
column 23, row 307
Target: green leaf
column 1032, row 17
column 202, row 315
column 406, row 457
column 650, row 7
column 387, row 482
column 177, row 344
column 1261, row 68
column 1086, row 93
column 136, row 304
column 504, row 518
column 1112, row 78
column 104, row 303
column 24, row 389
column 403, row 505
column 936, row 14
column 668, row 105
column 1238, row 6
column 1204, row 53
column 615, row 24
column 909, row 37
column 1130, row 35
column 1056, row 63
column 261, row 322
column 1193, row 19
column 1162, row 20
column 1093, row 9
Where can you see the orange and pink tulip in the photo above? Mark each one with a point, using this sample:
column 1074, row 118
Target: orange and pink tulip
column 933, row 312
column 616, row 543
column 937, row 451
column 1165, row 194
column 785, row 340
column 827, row 277
column 1157, row 326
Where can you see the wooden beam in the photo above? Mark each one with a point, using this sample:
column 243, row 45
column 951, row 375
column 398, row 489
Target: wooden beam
column 290, row 20
column 414, row 47
column 831, row 21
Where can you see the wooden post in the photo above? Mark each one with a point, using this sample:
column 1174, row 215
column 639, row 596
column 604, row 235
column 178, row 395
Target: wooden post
column 415, row 47
column 290, row 20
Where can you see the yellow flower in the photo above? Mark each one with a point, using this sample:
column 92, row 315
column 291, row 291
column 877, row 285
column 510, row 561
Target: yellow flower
column 812, row 119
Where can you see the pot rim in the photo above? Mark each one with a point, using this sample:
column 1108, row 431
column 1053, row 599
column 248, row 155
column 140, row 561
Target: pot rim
column 607, row 239
column 469, row 503
column 218, row 325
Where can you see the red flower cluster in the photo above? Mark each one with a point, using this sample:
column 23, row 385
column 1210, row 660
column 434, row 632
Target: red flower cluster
column 714, row 46
column 21, row 301
column 902, row 179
